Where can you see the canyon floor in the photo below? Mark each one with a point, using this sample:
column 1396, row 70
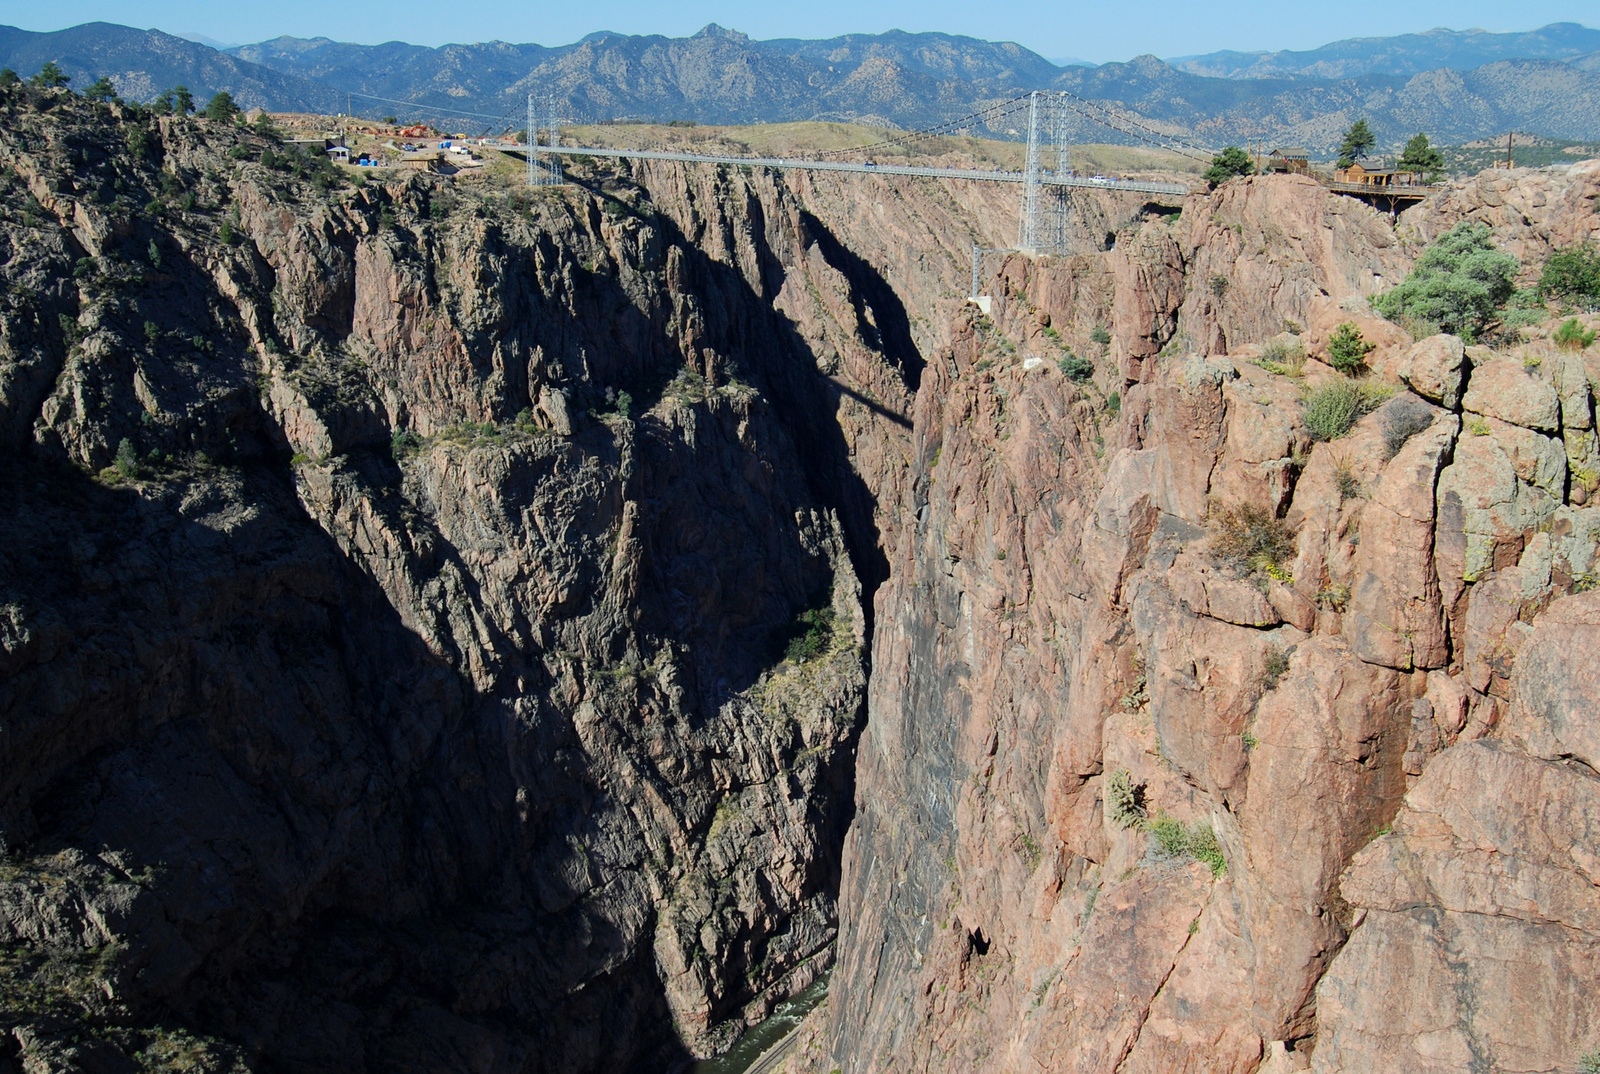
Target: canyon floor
column 447, row 626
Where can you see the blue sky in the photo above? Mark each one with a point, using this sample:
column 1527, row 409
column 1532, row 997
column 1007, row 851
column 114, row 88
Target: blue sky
column 1099, row 31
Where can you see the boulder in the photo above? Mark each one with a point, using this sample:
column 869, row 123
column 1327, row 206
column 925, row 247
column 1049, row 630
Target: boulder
column 1434, row 368
column 1504, row 389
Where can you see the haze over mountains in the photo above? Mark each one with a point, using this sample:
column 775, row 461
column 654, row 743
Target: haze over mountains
column 1407, row 54
column 1456, row 85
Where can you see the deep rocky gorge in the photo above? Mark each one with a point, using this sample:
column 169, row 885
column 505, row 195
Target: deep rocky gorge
column 449, row 627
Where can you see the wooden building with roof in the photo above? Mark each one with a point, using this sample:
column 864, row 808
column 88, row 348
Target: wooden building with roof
column 1293, row 160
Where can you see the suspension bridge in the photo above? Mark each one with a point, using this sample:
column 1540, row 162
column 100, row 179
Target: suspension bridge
column 1042, row 224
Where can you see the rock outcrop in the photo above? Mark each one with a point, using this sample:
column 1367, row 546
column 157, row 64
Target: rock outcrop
column 1197, row 744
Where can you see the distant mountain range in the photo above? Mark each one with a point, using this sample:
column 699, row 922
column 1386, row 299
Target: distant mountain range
column 1408, row 54
column 144, row 63
column 1457, row 86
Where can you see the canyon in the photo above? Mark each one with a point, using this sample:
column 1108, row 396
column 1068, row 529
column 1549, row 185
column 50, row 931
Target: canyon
column 453, row 627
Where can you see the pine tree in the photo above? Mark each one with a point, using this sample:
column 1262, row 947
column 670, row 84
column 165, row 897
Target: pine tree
column 50, row 76
column 1230, row 162
column 1357, row 140
column 182, row 100
column 1421, row 157
column 100, row 89
column 221, row 107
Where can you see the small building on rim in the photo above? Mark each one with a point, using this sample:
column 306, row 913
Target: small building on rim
column 1356, row 175
column 1291, row 159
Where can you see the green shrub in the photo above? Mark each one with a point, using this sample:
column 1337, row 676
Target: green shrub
column 1347, row 351
column 1076, row 368
column 1114, row 404
column 812, row 635
column 1251, row 537
column 1573, row 275
column 1204, row 847
column 1589, row 1062
column 1572, row 337
column 1124, row 800
column 1176, row 839
column 1331, row 410
column 1287, row 354
column 1273, row 668
column 1345, row 480
column 1100, row 336
column 404, row 444
column 1169, row 835
column 1458, row 284
column 127, row 460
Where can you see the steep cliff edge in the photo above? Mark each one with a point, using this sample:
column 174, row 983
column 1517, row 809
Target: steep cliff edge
column 1197, row 744
column 432, row 632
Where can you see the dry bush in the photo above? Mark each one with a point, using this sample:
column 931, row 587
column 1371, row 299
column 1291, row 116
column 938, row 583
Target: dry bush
column 1251, row 538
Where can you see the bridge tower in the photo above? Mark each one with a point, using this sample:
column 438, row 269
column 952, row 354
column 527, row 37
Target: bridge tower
column 1031, row 232
column 543, row 171
column 1060, row 201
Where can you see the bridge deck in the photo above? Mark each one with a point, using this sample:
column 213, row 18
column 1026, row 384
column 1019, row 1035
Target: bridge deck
column 1405, row 192
column 1133, row 186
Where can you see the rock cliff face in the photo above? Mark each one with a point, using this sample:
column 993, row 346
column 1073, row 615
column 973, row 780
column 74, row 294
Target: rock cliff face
column 396, row 606
column 1153, row 782
column 437, row 621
